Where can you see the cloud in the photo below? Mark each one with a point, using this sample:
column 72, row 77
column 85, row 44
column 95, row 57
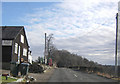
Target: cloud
column 83, row 27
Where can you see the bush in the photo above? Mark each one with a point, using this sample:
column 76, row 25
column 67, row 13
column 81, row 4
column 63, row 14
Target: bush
column 35, row 68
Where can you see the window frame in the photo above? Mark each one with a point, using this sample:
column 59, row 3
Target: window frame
column 16, row 48
column 24, row 52
column 22, row 38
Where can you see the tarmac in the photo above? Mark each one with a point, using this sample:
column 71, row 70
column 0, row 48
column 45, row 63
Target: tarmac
column 42, row 77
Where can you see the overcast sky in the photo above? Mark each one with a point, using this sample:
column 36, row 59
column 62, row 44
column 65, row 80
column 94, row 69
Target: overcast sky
column 83, row 27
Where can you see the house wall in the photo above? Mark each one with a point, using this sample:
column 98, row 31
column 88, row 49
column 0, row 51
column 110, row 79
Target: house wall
column 22, row 46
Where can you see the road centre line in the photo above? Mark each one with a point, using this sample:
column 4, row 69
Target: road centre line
column 75, row 75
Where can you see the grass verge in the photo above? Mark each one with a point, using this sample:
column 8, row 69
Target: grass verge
column 4, row 81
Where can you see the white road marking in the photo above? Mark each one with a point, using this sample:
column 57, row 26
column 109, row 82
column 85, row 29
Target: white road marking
column 75, row 75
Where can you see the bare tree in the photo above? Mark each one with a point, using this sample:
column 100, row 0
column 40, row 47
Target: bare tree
column 50, row 46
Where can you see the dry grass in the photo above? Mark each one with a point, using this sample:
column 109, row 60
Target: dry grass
column 107, row 76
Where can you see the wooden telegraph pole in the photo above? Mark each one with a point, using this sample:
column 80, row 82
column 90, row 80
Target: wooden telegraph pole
column 45, row 50
column 116, row 46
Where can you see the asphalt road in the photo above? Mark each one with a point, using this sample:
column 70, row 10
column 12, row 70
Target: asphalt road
column 68, row 75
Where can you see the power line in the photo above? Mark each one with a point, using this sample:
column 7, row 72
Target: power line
column 92, row 30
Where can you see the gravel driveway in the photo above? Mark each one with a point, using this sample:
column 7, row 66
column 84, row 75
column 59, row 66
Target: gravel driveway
column 42, row 77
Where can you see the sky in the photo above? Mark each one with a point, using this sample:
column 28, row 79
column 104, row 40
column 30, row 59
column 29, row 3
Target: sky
column 82, row 27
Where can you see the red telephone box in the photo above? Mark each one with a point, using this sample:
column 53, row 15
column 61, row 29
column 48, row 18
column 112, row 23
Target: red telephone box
column 50, row 61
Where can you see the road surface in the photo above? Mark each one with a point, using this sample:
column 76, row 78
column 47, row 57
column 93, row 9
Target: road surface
column 68, row 75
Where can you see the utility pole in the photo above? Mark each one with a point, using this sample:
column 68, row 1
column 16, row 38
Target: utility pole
column 45, row 50
column 116, row 47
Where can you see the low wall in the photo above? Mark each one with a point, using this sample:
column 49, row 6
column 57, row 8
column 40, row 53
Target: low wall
column 5, row 65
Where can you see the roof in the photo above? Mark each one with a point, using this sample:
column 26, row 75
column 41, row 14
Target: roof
column 10, row 32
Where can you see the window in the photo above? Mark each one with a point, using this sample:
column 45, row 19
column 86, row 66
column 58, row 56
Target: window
column 19, row 55
column 22, row 39
column 24, row 52
column 7, row 42
column 16, row 48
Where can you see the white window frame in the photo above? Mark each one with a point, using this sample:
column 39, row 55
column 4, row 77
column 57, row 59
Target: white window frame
column 7, row 42
column 24, row 52
column 19, row 55
column 16, row 48
column 22, row 38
